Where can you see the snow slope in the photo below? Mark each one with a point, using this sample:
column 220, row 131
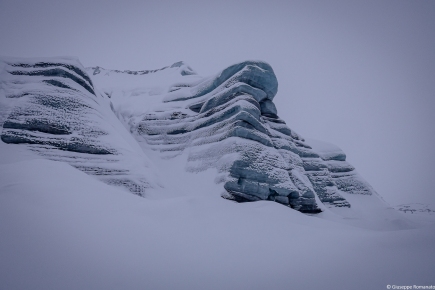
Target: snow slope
column 64, row 229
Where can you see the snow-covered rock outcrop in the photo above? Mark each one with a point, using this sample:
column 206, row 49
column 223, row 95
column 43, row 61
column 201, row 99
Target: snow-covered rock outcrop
column 229, row 122
column 108, row 122
column 55, row 110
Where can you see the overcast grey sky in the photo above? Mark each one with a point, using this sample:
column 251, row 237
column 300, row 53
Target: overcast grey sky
column 359, row 74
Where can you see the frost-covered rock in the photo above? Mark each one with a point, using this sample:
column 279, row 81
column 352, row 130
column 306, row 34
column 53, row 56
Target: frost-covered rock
column 229, row 122
column 106, row 123
column 56, row 111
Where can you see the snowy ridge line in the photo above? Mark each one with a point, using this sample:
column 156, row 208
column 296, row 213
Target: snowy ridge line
column 184, row 70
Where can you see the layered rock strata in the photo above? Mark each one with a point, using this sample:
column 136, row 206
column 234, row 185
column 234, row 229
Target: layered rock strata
column 104, row 125
column 56, row 111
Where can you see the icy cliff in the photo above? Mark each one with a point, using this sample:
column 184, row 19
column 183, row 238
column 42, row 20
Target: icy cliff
column 109, row 123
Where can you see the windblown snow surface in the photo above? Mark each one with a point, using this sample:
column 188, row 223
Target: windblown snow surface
column 69, row 220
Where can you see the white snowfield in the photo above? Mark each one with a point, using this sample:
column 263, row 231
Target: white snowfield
column 68, row 219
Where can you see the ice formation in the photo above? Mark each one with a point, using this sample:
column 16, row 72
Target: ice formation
column 108, row 122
